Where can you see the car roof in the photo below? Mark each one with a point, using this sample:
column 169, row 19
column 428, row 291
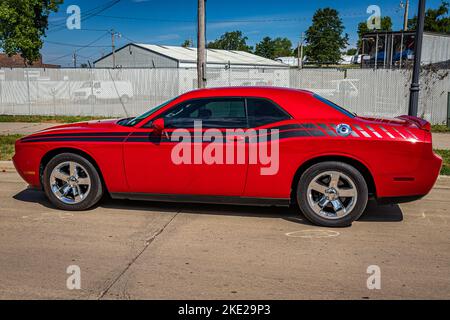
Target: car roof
column 244, row 91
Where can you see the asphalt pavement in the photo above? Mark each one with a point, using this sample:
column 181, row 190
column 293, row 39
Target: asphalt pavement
column 145, row 250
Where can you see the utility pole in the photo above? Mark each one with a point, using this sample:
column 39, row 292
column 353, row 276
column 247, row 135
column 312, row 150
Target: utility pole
column 201, row 39
column 74, row 59
column 113, row 46
column 415, row 86
column 405, row 17
column 300, row 51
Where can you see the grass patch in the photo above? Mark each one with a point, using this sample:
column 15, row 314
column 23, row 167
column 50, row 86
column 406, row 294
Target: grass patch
column 439, row 128
column 47, row 119
column 7, row 146
column 445, row 154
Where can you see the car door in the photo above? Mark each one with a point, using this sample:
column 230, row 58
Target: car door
column 269, row 170
column 154, row 166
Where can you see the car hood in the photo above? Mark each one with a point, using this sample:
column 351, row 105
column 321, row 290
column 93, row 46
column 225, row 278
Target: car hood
column 93, row 126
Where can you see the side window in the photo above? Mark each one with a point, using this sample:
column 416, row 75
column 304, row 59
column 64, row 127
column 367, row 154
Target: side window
column 214, row 113
column 262, row 112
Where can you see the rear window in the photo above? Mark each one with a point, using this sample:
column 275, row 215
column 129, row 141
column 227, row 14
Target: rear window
column 262, row 112
column 335, row 106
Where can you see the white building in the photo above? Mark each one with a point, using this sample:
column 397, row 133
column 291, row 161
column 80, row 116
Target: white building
column 290, row 61
column 139, row 55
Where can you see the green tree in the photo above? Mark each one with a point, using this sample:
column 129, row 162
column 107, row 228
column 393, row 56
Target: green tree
column 271, row 49
column 23, row 23
column 231, row 41
column 265, row 48
column 436, row 20
column 283, row 47
column 325, row 37
column 186, row 44
column 351, row 51
column 386, row 24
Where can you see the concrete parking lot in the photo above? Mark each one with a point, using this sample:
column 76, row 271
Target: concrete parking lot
column 143, row 250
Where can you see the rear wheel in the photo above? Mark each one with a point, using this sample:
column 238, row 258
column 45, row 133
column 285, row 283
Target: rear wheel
column 332, row 194
column 71, row 182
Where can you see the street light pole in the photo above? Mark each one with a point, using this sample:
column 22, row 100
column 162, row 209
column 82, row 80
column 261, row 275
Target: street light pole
column 201, row 47
column 415, row 86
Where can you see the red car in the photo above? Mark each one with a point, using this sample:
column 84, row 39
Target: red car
column 329, row 161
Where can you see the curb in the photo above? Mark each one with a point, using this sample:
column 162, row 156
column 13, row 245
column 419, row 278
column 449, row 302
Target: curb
column 7, row 166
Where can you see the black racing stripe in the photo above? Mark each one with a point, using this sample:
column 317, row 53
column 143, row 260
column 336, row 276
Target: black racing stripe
column 87, row 139
column 293, row 134
column 308, row 126
column 287, row 127
column 253, row 138
column 140, row 134
column 86, row 134
column 149, row 139
column 327, row 129
column 317, row 133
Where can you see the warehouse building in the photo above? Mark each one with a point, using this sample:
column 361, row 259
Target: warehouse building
column 138, row 55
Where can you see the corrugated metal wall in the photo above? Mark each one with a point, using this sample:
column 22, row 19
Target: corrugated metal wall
column 382, row 92
column 136, row 57
column 436, row 48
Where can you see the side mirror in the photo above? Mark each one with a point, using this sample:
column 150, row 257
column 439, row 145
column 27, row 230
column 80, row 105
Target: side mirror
column 158, row 125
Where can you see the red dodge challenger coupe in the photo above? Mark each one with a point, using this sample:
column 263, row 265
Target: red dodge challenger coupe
column 323, row 159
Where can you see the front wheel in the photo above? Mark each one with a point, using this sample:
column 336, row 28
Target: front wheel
column 332, row 194
column 71, row 182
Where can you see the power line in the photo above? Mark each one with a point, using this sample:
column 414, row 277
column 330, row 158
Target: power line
column 81, row 48
column 90, row 14
column 352, row 14
column 73, row 45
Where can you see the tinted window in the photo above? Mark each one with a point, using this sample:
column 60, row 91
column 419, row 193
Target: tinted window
column 214, row 113
column 262, row 112
column 335, row 106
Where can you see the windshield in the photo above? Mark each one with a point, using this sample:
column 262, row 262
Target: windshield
column 134, row 121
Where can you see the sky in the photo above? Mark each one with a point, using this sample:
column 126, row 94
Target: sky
column 172, row 22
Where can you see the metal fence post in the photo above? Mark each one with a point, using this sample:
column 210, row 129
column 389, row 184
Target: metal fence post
column 448, row 109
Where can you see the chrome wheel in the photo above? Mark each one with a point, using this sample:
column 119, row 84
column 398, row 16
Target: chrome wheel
column 332, row 194
column 70, row 182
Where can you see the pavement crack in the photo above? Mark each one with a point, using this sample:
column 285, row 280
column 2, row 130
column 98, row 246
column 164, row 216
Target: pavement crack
column 148, row 241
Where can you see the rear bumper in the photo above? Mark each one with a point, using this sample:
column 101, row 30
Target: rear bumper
column 413, row 184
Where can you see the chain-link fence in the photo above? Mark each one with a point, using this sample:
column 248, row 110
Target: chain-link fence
column 128, row 92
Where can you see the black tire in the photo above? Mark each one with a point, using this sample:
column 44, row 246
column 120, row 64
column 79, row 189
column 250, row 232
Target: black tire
column 313, row 172
column 96, row 187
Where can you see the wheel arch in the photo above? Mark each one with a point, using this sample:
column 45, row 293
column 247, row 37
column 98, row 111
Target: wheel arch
column 361, row 167
column 54, row 152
